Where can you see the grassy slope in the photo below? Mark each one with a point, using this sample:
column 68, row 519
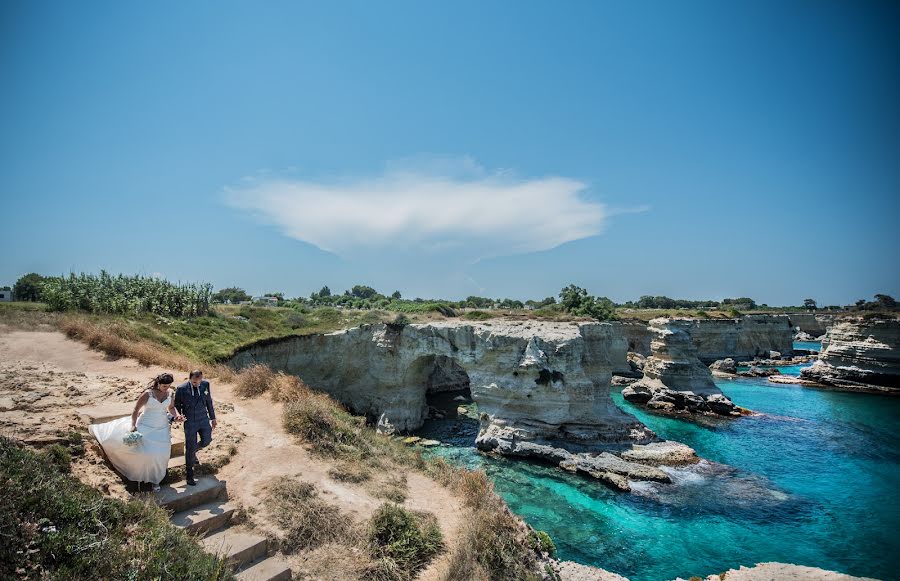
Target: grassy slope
column 204, row 339
column 53, row 526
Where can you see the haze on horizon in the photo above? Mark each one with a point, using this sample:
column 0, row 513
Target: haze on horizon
column 695, row 150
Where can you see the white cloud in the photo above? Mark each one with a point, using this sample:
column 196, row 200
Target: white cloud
column 442, row 205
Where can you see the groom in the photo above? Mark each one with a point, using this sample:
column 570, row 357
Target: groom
column 194, row 401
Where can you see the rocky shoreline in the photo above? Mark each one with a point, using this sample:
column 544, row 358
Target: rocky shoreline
column 861, row 355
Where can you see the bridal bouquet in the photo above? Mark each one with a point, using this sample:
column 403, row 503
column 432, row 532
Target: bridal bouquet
column 132, row 438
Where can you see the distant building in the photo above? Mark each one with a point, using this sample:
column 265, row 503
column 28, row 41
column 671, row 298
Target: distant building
column 5, row 295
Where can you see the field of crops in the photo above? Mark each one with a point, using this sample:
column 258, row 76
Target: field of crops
column 123, row 294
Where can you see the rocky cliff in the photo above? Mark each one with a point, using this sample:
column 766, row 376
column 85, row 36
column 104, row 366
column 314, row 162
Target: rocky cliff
column 744, row 338
column 811, row 323
column 675, row 380
column 859, row 354
column 638, row 336
column 531, row 380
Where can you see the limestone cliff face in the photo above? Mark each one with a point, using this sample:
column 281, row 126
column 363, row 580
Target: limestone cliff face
column 638, row 335
column 675, row 380
column 859, row 354
column 744, row 338
column 532, row 381
column 811, row 323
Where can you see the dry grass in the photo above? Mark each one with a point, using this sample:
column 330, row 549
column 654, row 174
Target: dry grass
column 352, row 472
column 335, row 562
column 27, row 317
column 116, row 340
column 258, row 379
column 307, row 520
column 393, row 487
column 254, row 381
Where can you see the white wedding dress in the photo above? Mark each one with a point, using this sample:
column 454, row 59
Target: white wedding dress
column 147, row 460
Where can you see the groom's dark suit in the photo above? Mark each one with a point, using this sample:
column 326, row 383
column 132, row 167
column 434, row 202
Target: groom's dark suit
column 196, row 405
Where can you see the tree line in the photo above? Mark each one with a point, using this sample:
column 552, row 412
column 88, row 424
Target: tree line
column 106, row 293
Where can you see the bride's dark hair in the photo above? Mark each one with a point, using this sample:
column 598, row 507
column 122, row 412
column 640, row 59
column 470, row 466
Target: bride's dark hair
column 161, row 379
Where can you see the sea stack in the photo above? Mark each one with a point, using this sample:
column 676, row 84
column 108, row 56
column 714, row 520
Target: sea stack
column 675, row 380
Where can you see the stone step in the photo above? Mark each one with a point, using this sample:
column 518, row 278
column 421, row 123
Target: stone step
column 100, row 414
column 237, row 546
column 205, row 518
column 271, row 569
column 178, row 496
column 177, row 448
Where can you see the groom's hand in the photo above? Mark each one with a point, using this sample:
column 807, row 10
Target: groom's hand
column 213, row 424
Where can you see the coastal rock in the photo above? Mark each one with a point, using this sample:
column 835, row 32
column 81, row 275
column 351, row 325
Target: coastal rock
column 532, row 381
column 636, row 361
column 755, row 371
column 571, row 571
column 675, row 380
column 742, row 338
column 811, row 324
column 781, row 572
column 724, row 366
column 640, row 462
column 666, row 453
column 637, row 335
column 802, row 336
column 637, row 393
column 861, row 355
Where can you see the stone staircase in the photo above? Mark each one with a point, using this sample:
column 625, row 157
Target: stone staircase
column 204, row 510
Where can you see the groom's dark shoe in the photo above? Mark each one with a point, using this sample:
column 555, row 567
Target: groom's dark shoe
column 191, row 482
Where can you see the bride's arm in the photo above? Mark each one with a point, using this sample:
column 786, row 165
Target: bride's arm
column 171, row 409
column 137, row 409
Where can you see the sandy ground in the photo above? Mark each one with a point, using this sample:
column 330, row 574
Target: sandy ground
column 46, row 380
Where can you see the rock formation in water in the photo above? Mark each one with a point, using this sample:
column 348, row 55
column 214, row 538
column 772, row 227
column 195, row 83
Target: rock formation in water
column 725, row 367
column 542, row 389
column 675, row 380
column 859, row 355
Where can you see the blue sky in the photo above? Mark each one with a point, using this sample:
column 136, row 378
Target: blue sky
column 692, row 149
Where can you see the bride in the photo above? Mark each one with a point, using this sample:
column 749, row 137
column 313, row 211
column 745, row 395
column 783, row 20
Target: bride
column 146, row 459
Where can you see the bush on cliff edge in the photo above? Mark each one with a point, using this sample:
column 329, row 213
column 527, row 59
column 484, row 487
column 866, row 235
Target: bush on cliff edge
column 53, row 526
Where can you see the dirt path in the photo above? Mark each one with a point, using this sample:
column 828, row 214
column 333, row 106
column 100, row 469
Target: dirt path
column 47, row 379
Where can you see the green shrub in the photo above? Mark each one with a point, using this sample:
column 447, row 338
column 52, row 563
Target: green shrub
column 295, row 320
column 477, row 316
column 402, row 542
column 59, row 456
column 55, row 527
column 545, row 543
column 400, row 320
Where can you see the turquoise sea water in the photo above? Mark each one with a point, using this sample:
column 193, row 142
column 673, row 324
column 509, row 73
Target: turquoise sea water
column 810, row 345
column 812, row 480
